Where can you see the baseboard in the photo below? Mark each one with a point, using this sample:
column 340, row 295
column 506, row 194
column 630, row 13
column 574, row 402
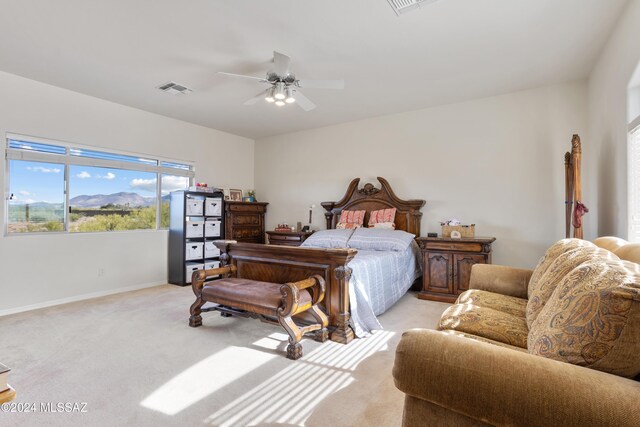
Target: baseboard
column 79, row 298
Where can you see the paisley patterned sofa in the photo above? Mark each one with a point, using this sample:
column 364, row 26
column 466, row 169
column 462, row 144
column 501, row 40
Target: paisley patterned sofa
column 555, row 346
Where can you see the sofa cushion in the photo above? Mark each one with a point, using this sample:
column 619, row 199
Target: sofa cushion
column 485, row 322
column 593, row 319
column 503, row 303
column 482, row 339
column 549, row 256
column 542, row 290
column 629, row 252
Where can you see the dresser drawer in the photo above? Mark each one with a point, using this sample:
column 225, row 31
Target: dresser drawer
column 247, row 233
column 455, row 246
column 248, row 207
column 247, row 219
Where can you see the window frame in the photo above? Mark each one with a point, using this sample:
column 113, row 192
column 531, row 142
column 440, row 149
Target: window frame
column 633, row 176
column 68, row 159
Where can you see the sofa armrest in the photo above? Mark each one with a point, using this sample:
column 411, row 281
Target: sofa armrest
column 501, row 386
column 500, row 279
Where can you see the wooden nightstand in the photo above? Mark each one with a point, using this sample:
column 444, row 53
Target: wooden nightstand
column 288, row 238
column 447, row 265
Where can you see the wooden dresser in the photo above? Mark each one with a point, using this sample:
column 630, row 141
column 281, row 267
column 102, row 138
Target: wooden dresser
column 244, row 221
column 288, row 238
column 447, row 265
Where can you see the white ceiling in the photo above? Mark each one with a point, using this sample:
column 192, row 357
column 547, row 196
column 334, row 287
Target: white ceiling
column 448, row 51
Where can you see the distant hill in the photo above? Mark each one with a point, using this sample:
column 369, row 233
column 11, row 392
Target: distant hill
column 121, row 199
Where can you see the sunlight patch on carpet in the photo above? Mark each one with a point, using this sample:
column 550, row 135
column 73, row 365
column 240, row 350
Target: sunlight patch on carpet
column 273, row 341
column 191, row 386
column 291, row 396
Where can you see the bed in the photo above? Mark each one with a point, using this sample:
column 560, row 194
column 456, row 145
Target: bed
column 351, row 290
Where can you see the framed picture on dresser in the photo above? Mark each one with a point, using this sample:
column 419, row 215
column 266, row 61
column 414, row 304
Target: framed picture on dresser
column 235, row 195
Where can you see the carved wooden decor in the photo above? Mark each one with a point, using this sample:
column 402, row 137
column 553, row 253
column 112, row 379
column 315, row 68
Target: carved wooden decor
column 370, row 198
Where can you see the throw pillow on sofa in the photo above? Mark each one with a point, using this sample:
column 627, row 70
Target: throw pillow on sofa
column 593, row 319
column 542, row 290
column 549, row 256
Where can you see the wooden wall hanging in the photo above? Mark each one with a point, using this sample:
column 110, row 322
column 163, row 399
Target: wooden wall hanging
column 574, row 208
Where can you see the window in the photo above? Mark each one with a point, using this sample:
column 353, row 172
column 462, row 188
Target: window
column 634, row 186
column 58, row 187
column 36, row 208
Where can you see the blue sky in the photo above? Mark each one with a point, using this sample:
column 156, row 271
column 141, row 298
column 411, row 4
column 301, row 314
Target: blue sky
column 44, row 182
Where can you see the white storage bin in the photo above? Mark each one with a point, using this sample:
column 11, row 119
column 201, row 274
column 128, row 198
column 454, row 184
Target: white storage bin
column 193, row 250
column 211, row 264
column 194, row 206
column 212, row 228
column 194, row 229
column 213, row 206
column 190, row 267
column 210, row 250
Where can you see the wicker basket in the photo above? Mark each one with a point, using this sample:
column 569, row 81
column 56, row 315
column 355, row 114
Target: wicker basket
column 464, row 230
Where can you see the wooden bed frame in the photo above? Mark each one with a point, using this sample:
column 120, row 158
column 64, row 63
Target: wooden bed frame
column 280, row 264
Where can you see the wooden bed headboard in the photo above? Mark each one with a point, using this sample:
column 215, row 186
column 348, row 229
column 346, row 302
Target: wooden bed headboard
column 370, row 198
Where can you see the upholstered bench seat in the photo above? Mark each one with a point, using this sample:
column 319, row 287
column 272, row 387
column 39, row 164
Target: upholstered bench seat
column 251, row 295
column 270, row 302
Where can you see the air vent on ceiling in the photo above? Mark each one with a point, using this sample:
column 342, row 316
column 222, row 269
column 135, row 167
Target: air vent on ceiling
column 403, row 6
column 174, row 88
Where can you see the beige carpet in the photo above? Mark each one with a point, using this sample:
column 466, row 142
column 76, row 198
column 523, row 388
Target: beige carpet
column 132, row 359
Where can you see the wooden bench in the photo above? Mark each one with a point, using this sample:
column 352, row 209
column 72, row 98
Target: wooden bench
column 269, row 302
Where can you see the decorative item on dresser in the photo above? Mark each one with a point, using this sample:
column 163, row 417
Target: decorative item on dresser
column 288, row 238
column 195, row 222
column 447, row 264
column 244, row 221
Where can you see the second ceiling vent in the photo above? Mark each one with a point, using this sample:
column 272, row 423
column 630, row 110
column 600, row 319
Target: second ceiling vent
column 404, row 6
column 175, row 88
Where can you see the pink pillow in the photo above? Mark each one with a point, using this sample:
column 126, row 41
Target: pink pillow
column 382, row 216
column 351, row 219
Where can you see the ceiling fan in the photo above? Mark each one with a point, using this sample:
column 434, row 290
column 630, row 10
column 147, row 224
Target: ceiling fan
column 284, row 86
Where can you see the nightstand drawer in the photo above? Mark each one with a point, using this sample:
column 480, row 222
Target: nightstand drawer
column 455, row 246
column 288, row 238
column 281, row 237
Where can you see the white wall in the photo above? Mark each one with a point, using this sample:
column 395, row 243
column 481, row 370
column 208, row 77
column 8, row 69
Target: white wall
column 497, row 162
column 608, row 86
column 41, row 268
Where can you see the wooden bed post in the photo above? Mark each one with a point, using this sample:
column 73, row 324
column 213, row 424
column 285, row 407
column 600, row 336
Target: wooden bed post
column 568, row 193
column 576, row 155
column 342, row 332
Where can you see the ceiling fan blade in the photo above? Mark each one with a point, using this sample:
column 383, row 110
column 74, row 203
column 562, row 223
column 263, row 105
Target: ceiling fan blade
column 321, row 84
column 256, row 98
column 304, row 102
column 281, row 63
column 243, row 76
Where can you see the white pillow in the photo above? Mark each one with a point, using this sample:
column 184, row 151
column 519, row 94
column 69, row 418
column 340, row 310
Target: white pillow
column 380, row 239
column 330, row 239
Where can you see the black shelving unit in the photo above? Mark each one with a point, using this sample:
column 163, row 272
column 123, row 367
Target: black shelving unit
column 196, row 221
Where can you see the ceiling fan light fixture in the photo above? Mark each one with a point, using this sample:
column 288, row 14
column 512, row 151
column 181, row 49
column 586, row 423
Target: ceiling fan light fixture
column 279, row 91
column 279, row 103
column 290, row 99
column 269, row 98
